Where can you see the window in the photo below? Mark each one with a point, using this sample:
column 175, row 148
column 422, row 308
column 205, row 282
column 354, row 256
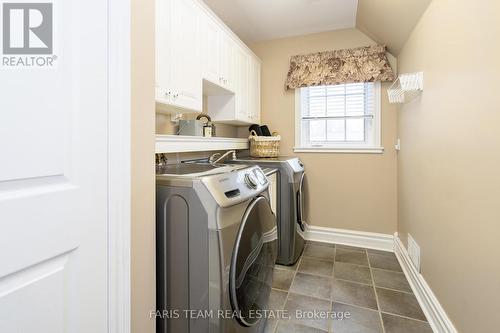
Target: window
column 344, row 118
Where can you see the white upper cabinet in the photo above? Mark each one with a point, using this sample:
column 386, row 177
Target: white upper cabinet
column 178, row 70
column 217, row 54
column 211, row 35
column 186, row 67
column 242, row 63
column 193, row 45
column 163, row 51
column 243, row 107
column 254, row 90
column 227, row 62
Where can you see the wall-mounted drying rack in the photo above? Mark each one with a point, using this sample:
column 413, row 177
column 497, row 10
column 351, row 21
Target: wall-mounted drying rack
column 406, row 87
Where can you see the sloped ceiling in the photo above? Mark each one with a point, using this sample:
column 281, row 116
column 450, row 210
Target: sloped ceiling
column 389, row 22
column 257, row 20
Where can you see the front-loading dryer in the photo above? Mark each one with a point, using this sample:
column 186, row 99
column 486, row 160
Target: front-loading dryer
column 216, row 248
column 290, row 204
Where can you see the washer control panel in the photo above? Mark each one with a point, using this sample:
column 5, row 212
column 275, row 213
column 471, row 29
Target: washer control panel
column 239, row 185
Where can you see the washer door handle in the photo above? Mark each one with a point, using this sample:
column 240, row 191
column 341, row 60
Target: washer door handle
column 300, row 203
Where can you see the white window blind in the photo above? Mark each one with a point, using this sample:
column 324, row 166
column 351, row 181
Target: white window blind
column 339, row 115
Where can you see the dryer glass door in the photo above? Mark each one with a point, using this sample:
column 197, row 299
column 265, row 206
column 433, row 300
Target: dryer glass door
column 252, row 262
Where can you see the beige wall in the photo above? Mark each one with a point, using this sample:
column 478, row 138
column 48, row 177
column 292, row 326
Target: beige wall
column 349, row 191
column 142, row 164
column 449, row 180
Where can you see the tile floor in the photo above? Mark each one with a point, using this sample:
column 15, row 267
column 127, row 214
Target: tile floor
column 367, row 284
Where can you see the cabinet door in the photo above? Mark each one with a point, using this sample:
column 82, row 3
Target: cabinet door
column 257, row 87
column 210, row 34
column 227, row 63
column 185, row 64
column 164, row 40
column 254, row 90
column 241, row 85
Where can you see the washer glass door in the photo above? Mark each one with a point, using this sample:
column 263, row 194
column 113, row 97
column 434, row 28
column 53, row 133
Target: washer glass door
column 252, row 262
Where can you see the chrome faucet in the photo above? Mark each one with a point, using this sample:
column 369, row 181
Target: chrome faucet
column 218, row 157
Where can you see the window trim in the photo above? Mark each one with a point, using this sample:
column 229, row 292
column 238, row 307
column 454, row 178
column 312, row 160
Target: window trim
column 374, row 148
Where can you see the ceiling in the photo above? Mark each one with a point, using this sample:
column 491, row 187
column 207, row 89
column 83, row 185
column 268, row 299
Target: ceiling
column 257, row 20
column 388, row 22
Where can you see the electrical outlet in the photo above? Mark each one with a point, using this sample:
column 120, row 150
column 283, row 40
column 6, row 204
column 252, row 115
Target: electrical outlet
column 414, row 252
column 397, row 146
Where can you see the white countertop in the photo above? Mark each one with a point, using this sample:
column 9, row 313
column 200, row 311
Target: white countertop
column 184, row 143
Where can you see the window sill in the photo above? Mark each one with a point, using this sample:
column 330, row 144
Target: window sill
column 340, row 150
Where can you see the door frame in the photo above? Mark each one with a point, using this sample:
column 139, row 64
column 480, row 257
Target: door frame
column 119, row 166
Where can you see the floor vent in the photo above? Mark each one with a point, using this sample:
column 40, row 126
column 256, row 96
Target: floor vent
column 414, row 252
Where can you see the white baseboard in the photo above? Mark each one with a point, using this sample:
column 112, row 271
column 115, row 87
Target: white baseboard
column 437, row 317
column 370, row 240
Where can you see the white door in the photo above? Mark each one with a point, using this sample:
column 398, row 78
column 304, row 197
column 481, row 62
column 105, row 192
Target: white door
column 186, row 64
column 53, row 174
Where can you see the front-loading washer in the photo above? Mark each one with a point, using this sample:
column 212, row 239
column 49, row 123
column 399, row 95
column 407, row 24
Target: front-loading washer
column 216, row 248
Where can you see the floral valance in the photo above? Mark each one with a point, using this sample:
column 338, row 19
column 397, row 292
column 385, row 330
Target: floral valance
column 362, row 64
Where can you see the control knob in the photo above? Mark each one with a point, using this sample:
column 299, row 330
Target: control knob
column 250, row 180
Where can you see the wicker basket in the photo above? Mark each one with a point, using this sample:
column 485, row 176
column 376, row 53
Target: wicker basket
column 264, row 146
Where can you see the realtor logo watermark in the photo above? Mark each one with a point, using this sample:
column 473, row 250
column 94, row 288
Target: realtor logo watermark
column 27, row 34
